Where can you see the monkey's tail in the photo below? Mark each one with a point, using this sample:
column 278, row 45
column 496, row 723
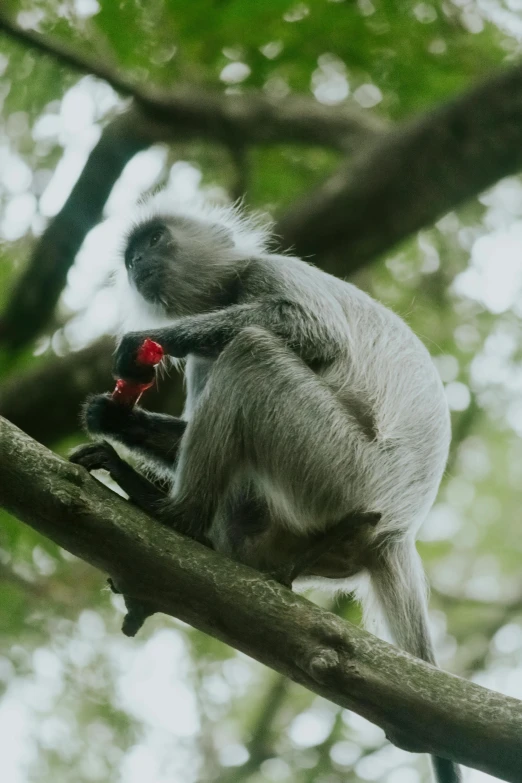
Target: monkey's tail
column 397, row 594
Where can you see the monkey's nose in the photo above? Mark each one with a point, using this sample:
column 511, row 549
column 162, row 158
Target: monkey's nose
column 135, row 258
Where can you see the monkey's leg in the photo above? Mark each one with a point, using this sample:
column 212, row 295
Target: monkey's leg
column 263, row 408
column 154, row 435
column 102, row 456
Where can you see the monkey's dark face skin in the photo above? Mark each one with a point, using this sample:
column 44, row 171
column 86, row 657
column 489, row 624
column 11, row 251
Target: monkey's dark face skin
column 182, row 265
column 147, row 249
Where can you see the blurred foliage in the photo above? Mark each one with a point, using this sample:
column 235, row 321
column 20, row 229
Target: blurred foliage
column 90, row 705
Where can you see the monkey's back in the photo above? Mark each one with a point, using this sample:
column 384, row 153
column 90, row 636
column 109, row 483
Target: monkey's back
column 394, row 372
column 384, row 376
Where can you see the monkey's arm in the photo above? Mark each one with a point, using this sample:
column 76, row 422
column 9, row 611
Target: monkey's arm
column 209, row 333
column 155, row 435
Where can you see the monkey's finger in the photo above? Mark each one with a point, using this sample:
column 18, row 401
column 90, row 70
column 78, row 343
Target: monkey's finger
column 94, row 456
column 126, row 362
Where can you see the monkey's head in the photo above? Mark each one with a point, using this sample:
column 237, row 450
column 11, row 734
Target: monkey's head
column 179, row 264
column 183, row 258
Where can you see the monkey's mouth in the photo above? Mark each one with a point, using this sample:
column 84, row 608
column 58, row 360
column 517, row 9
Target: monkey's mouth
column 150, row 288
column 147, row 285
column 141, row 277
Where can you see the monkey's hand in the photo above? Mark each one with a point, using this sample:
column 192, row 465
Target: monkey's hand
column 96, row 456
column 102, row 415
column 127, row 365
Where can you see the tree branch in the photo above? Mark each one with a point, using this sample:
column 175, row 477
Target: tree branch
column 419, row 707
column 413, row 175
column 250, row 118
column 65, row 55
column 258, row 744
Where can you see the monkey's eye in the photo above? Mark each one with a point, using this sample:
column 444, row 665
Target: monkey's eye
column 155, row 237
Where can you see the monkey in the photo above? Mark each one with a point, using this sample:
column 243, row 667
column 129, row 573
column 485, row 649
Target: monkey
column 313, row 414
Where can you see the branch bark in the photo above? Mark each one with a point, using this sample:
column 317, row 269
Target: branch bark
column 413, row 175
column 419, row 707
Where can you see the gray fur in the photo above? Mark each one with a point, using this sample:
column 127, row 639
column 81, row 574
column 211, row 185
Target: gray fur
column 306, row 400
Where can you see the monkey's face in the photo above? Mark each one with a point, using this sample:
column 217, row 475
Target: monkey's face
column 178, row 264
column 146, row 259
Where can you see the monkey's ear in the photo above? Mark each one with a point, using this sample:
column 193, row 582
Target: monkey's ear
column 223, row 235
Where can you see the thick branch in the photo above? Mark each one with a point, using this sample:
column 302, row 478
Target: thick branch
column 419, row 707
column 413, row 175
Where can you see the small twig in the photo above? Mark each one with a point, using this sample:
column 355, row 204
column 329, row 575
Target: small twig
column 413, row 175
column 239, row 156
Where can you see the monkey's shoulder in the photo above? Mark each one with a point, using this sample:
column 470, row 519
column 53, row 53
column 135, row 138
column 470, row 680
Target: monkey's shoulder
column 274, row 275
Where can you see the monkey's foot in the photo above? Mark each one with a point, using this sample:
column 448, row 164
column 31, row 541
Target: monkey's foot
column 96, row 456
column 350, row 527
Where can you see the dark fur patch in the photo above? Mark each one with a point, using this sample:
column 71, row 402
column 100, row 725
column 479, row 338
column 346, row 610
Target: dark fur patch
column 247, row 517
column 364, row 415
column 139, row 233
